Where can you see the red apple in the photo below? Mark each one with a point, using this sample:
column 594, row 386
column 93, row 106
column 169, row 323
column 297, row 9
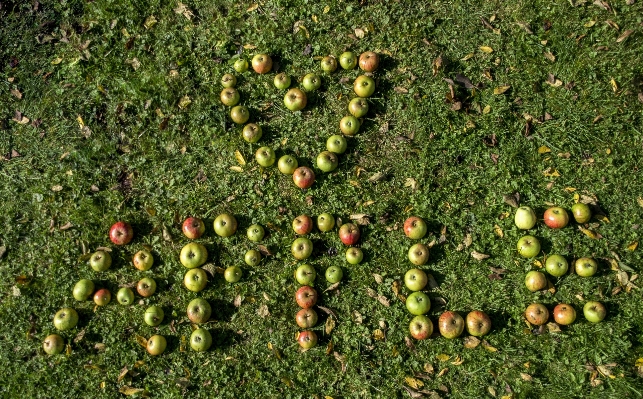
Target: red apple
column 303, row 177
column 556, row 217
column 306, row 297
column 369, row 61
column 193, row 228
column 478, row 323
column 102, row 297
column 307, row 339
column 421, row 327
column 262, row 63
column 535, row 281
column 303, row 224
column 121, row 233
column 537, row 314
column 306, row 318
column 415, row 227
column 349, row 234
column 564, row 314
column 450, row 324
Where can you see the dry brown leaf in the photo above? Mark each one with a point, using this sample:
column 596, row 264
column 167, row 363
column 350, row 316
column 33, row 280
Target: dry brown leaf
column 471, row 342
column 526, row 377
column 553, row 327
column 498, row 230
column 437, row 64
column 479, row 256
column 550, row 56
column 378, row 278
column 457, row 361
column 332, row 287
column 412, row 392
column 383, row 300
column 263, row 311
column 237, row 301
column 329, row 326
column 379, row 335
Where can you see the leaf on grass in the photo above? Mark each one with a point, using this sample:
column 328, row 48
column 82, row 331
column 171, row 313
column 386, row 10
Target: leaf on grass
column 498, row 230
column 252, row 7
column 633, row 246
column 479, row 256
column 553, row 327
column 551, row 172
column 414, row 382
column 16, row 93
column 377, row 177
column 525, row 27
column 442, row 372
column 329, row 326
column 622, row 278
column 553, row 81
column 624, row 35
column 150, row 21
column 184, row 102
column 332, row 287
column 471, row 342
column 614, row 85
column 371, row 293
column 526, row 377
column 589, row 233
column 413, row 393
column 383, row 300
column 236, row 168
column 543, row 149
column 378, row 278
column 512, row 200
column 128, row 391
column 437, row 64
column 501, row 89
column 486, row 49
column 263, row 311
column 328, row 311
column 379, row 335
column 467, row 57
column 359, row 33
column 443, row 357
column 240, row 158
column 457, row 361
column 488, row 346
column 183, row 10
column 550, row 56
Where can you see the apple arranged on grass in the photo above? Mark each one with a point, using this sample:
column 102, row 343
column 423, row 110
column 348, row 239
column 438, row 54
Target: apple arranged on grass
column 232, row 274
column 337, row 144
column 364, row 86
column 537, row 314
column 252, row 257
column 415, row 227
column 594, row 311
column 239, row 114
column 301, row 248
column 65, row 319
column 585, row 267
column 415, row 279
column 354, row 255
column 83, row 289
column 369, row 61
column 193, row 228
column 556, row 265
column 287, row 164
column 303, row 177
column 230, row 96
column 154, row 316
column 125, row 296
column 199, row 311
column 419, row 254
column 528, row 246
column 143, row 260
column 348, row 60
column 535, row 281
column 327, row 161
column 156, row 345
column 418, row 303
column 225, row 225
column 349, row 125
column 325, row 222
column 306, row 297
column 121, row 233
column 240, row 65
column 282, row 81
column 146, row 287
column 262, row 63
column 556, row 217
column 334, row 274
column 358, row 107
column 450, row 324
column 329, row 64
column 311, row 82
column 228, row 80
column 478, row 323
column 255, row 233
column 564, row 314
column 200, row 340
column 421, row 327
column 102, row 297
column 525, row 218
column 195, row 280
column 581, row 212
column 100, row 261
column 295, row 99
column 193, row 255
column 349, row 234
column 265, row 156
column 305, row 274
column 307, row 339
column 53, row 344
column 302, row 224
column 252, row 133
column 306, row 318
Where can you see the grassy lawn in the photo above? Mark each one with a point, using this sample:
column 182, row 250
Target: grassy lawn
column 110, row 111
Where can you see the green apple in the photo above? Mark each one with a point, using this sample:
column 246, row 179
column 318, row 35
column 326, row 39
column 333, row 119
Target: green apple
column 349, row 125
column 252, row 257
column 311, row 82
column 528, row 246
column 358, row 107
column 230, row 96
column 535, row 281
column 418, row 303
column 418, row 254
column 415, row 279
column 100, row 261
column 329, row 64
column 295, row 99
column 305, row 274
column 336, row 144
column 364, row 86
column 199, row 311
column 556, row 265
column 53, row 344
column 146, row 287
column 240, row 65
column 65, row 319
column 83, row 289
column 195, row 280
column 252, row 132
column 143, row 260
column 156, row 345
column 594, row 311
column 239, row 114
column 585, row 267
column 327, row 161
column 354, row 255
column 255, row 233
column 233, row 274
column 525, row 218
column 125, row 296
column 415, row 227
column 200, row 340
column 228, row 80
column 265, row 156
column 325, row 222
column 282, row 81
column 154, row 316
column 287, row 164
column 302, row 248
column 225, row 225
column 193, row 255
column 348, row 60
column 334, row 274
column 581, row 212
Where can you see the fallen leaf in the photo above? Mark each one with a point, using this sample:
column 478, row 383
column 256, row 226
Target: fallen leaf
column 479, row 256
column 633, row 246
column 142, row 341
column 443, row 357
column 486, row 49
column 379, row 335
column 329, row 326
column 383, row 300
column 551, row 172
column 498, row 231
column 471, row 342
column 553, row 327
column 128, row 391
column 526, row 377
column 184, row 102
column 550, row 56
column 359, row 33
column 614, row 85
column 237, row 301
column 501, row 89
column 413, row 393
column 437, row 64
column 263, row 311
column 525, row 27
column 589, row 233
column 488, row 346
column 457, row 361
column 414, row 382
column 332, row 287
column 16, row 93
column 252, row 7
column 543, row 149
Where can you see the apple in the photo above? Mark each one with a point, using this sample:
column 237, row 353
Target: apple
column 556, row 217
column 230, row 96
column 240, row 65
column 556, row 265
column 329, row 64
column 535, row 281
column 415, row 279
column 252, row 133
column 302, row 224
column 358, row 107
column 311, row 82
column 193, row 228
column 154, row 316
column 200, row 340
column 239, row 114
column 143, row 260
column 195, row 280
column 125, row 296
column 305, row 274
column 528, row 246
column 102, row 297
column 302, row 248
column 199, row 311
column 65, row 319
column 421, row 327
column 193, row 255
column 581, row 212
column 525, row 218
column 354, row 255
column 415, row 227
column 307, row 339
column 418, row 303
column 262, row 63
column 255, row 233
column 327, row 161
column 306, row 318
column 337, row 144
column 295, row 99
column 121, row 233
column 325, row 222
column 83, row 289
column 450, row 324
column 537, row 314
column 265, row 156
column 303, row 177
column 564, row 314
column 282, row 81
column 252, row 257
column 287, row 164
column 53, row 344
column 233, row 274
column 478, row 323
column 156, row 345
column 228, row 80
column 100, row 261
column 349, row 125
column 594, row 311
column 419, row 254
column 585, row 267
column 334, row 274
column 146, row 287
column 369, row 61
column 306, row 297
column 364, row 86
column 349, row 234
column 348, row 60
column 225, row 225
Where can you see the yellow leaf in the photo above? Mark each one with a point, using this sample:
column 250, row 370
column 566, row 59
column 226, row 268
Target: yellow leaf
column 608, row 151
column 551, row 172
column 526, row 377
column 314, row 17
column 614, row 85
column 633, row 246
column 443, row 357
column 443, row 371
column 467, row 57
column 639, row 362
column 486, row 109
column 486, row 49
column 240, row 158
column 249, row 46
column 326, row 9
column 570, row 189
column 501, row 89
column 471, row 342
column 602, row 218
column 498, row 231
column 414, row 382
column 184, row 102
column 576, row 198
column 589, row 233
column 379, row 335
column 81, row 123
column 253, row 7
column 354, row 183
column 141, row 341
column 330, row 325
column 488, row 346
column 457, row 361
column 57, row 61
column 640, row 201
column 127, row 391
column 614, row 264
column 590, row 24
column 236, row 168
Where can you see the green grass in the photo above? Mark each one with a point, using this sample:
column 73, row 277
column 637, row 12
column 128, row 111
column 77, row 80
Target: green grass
column 154, row 164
